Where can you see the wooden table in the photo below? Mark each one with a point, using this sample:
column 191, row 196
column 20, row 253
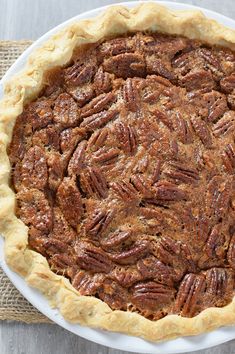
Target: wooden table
column 29, row 19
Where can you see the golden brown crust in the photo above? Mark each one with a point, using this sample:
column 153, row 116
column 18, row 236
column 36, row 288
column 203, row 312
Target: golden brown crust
column 33, row 266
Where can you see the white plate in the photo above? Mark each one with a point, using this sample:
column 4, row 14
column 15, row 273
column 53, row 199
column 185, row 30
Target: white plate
column 113, row 340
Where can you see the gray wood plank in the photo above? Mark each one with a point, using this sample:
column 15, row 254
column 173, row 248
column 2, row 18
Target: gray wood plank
column 18, row 338
column 28, row 19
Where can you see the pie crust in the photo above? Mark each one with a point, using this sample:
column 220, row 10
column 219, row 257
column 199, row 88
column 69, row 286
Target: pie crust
column 23, row 88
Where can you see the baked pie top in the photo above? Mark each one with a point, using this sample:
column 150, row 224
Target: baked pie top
column 124, row 173
column 123, row 169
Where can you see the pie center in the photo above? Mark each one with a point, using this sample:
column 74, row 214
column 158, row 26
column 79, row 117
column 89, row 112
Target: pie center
column 124, row 168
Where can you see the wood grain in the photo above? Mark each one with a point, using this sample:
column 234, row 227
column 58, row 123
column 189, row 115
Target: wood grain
column 29, row 19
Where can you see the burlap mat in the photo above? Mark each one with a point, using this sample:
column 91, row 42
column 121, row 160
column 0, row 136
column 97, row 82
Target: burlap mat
column 13, row 306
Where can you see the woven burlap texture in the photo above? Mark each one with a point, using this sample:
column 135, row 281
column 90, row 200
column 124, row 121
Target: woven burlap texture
column 13, row 306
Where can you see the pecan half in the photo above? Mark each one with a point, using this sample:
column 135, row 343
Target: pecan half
column 98, row 138
column 102, row 81
column 219, row 286
column 231, row 253
column 82, row 94
column 152, row 294
column 201, row 225
column 175, row 254
column 156, row 172
column 93, row 182
column 152, row 268
column 189, row 295
column 68, row 195
column 92, row 258
column 217, row 105
column 126, row 65
column 173, row 97
column 87, row 284
column 159, row 81
column 197, row 80
column 106, row 156
column 214, row 250
column 98, row 104
column 34, row 209
column 164, row 118
column 225, row 125
column 169, row 192
column 97, row 223
column 127, row 137
column 97, row 120
column 183, row 129
column 69, row 138
column 47, row 138
column 116, row 46
column 18, row 144
column 228, row 83
column 216, row 281
column 202, row 131
column 34, row 173
column 66, row 111
column 130, row 95
column 210, row 57
column 130, row 256
column 181, row 173
column 228, row 157
column 126, row 277
column 79, row 73
column 40, row 114
column 141, row 184
column 76, row 162
column 115, row 239
column 55, row 246
column 125, row 191
column 150, row 96
column 170, row 46
column 181, row 63
column 218, row 196
column 159, row 67
column 55, row 169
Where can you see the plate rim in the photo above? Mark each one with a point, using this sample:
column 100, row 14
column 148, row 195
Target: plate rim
column 111, row 339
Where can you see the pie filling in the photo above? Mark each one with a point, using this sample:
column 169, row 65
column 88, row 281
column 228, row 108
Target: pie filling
column 124, row 168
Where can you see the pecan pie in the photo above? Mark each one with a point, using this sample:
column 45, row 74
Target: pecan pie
column 123, row 170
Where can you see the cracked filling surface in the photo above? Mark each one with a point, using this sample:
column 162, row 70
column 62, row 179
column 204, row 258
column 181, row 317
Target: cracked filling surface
column 124, row 169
